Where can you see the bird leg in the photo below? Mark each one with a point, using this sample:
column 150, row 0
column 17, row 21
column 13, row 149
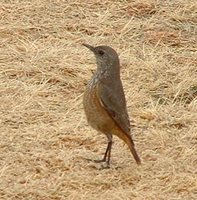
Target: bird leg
column 107, row 154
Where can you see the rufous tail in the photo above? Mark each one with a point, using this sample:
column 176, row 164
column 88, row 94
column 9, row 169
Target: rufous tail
column 128, row 140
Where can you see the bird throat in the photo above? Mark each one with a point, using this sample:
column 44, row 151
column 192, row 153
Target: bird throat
column 102, row 74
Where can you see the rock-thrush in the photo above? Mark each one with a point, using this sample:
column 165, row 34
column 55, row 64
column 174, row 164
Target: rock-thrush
column 104, row 100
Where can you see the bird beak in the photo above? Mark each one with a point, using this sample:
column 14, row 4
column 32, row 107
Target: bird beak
column 89, row 47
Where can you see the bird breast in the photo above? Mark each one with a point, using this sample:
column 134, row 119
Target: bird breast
column 96, row 115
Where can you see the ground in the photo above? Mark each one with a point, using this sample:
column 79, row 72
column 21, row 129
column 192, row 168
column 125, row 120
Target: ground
column 45, row 141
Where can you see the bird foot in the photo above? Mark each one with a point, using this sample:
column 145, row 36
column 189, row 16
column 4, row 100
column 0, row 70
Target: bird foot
column 99, row 161
column 105, row 165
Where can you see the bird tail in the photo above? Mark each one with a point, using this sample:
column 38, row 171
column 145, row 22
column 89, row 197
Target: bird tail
column 134, row 152
column 127, row 139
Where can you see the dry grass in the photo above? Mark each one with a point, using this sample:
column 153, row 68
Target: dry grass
column 44, row 136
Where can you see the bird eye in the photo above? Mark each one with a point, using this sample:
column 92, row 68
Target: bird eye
column 101, row 52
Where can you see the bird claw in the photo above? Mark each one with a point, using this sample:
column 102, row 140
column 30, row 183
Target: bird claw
column 105, row 164
column 99, row 161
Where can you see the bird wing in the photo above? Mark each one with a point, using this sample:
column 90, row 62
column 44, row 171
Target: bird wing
column 113, row 100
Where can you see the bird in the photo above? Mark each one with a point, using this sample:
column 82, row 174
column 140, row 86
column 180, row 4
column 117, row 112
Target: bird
column 104, row 101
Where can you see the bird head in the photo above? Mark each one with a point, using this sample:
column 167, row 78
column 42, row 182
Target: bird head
column 107, row 59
